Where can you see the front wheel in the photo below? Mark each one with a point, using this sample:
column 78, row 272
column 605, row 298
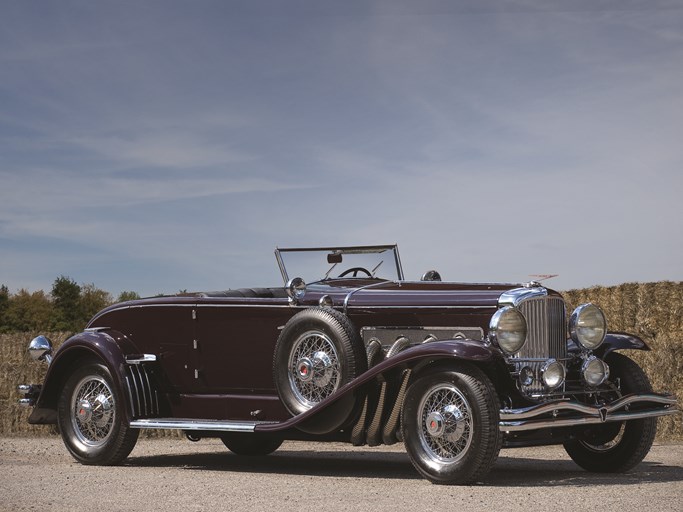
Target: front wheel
column 90, row 414
column 616, row 447
column 450, row 425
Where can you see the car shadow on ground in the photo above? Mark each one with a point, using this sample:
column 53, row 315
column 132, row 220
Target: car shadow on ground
column 508, row 471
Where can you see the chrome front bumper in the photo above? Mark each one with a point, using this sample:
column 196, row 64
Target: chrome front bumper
column 568, row 413
column 30, row 392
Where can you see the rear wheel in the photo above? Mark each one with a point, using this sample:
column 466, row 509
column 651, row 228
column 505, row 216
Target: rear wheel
column 450, row 425
column 250, row 444
column 616, row 447
column 90, row 414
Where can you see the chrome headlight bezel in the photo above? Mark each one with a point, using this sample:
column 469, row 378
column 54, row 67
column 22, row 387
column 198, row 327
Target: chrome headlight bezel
column 592, row 367
column 588, row 326
column 41, row 349
column 508, row 329
column 553, row 374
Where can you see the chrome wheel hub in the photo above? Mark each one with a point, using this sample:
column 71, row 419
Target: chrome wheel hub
column 318, row 369
column 448, row 423
column 435, row 424
column 322, row 369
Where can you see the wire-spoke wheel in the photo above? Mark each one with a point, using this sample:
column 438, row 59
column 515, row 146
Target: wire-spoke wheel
column 90, row 417
column 93, row 413
column 314, row 369
column 446, row 424
column 450, row 424
column 318, row 351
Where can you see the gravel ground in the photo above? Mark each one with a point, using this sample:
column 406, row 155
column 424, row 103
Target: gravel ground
column 168, row 474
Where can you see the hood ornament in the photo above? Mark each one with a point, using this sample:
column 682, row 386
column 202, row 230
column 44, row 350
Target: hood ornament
column 536, row 283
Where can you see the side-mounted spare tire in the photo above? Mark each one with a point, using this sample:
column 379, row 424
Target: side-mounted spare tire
column 318, row 351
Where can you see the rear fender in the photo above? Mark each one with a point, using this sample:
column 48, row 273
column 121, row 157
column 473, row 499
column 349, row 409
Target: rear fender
column 107, row 346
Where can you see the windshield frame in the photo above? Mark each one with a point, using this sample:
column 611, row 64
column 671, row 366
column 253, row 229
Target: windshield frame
column 357, row 249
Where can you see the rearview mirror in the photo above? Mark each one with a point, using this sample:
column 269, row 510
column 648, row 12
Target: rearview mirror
column 334, row 257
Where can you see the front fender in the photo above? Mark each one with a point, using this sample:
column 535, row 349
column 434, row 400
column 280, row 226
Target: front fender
column 107, row 346
column 454, row 350
column 620, row 341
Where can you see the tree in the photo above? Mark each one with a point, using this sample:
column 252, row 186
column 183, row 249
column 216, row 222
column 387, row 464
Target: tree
column 91, row 301
column 28, row 312
column 125, row 296
column 66, row 296
column 4, row 304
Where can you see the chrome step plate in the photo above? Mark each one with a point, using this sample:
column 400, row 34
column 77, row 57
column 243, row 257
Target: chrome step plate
column 197, row 424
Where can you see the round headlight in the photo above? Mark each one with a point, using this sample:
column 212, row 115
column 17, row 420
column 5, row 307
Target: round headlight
column 552, row 374
column 587, row 326
column 594, row 371
column 508, row 329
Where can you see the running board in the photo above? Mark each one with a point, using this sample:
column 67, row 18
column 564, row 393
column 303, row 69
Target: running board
column 195, row 424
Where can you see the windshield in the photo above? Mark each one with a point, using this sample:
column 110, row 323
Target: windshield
column 381, row 262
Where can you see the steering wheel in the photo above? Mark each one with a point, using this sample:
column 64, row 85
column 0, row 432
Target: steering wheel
column 355, row 271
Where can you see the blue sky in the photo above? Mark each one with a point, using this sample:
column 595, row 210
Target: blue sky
column 158, row 146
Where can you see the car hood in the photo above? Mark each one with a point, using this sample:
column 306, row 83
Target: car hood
column 405, row 294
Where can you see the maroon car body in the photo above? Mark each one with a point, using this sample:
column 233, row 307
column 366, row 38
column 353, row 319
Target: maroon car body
column 453, row 370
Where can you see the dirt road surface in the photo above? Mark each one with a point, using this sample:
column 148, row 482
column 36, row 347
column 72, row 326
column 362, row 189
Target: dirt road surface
column 167, row 475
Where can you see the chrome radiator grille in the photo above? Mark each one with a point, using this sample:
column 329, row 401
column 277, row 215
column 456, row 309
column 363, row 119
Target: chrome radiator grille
column 546, row 328
column 546, row 336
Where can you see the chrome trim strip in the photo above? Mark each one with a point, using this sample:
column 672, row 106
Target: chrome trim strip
column 130, row 395
column 147, row 389
column 137, row 390
column 282, row 306
column 512, row 420
column 348, row 295
column 285, row 304
column 192, row 424
column 146, row 358
column 96, row 329
column 372, row 306
column 142, row 390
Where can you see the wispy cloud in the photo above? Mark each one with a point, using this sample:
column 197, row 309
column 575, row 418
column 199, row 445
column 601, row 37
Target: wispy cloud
column 168, row 150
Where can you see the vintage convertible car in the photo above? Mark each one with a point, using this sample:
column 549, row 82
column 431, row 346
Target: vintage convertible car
column 454, row 371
